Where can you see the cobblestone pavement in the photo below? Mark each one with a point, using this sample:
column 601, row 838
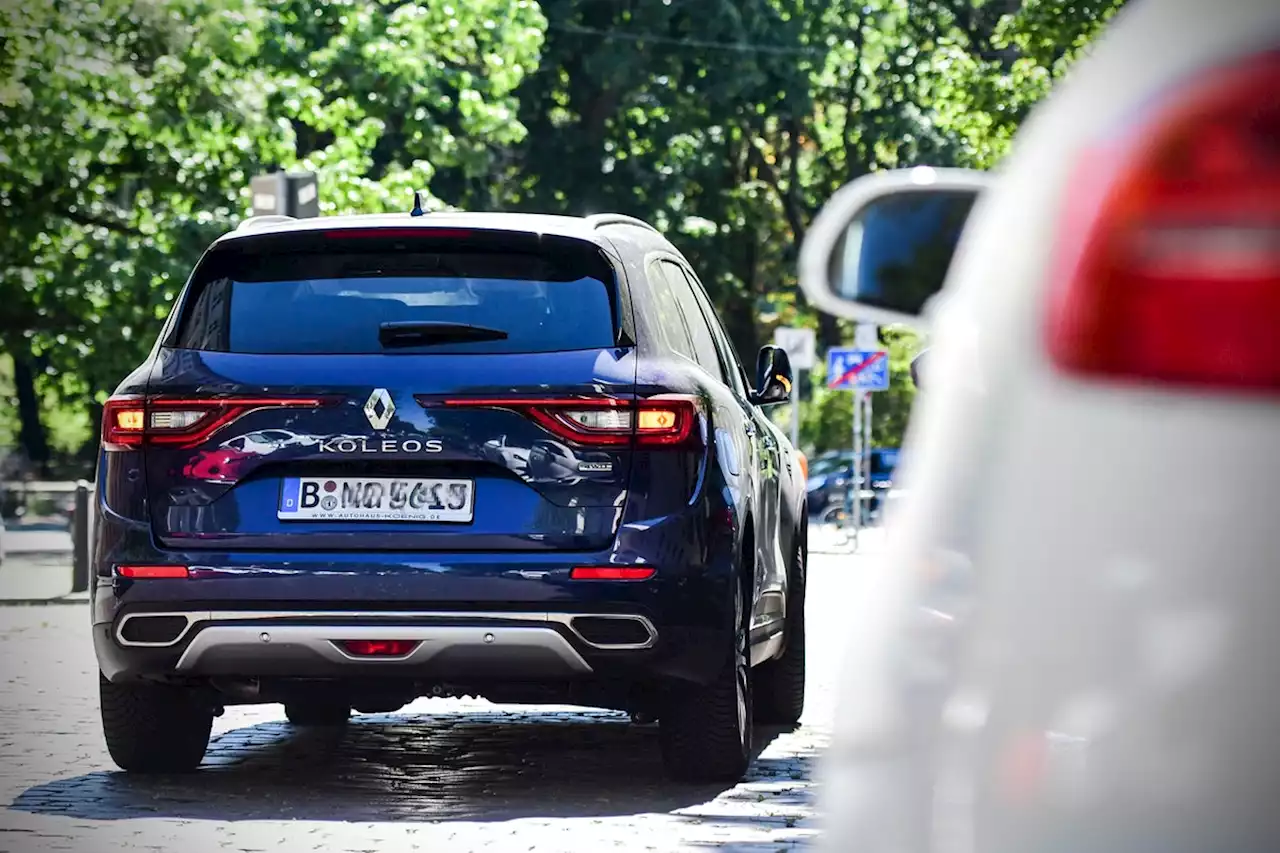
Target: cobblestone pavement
column 441, row 775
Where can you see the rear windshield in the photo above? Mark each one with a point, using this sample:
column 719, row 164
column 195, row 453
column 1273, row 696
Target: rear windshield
column 346, row 302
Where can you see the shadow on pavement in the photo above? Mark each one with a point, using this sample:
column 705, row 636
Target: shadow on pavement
column 734, row 822
column 412, row 767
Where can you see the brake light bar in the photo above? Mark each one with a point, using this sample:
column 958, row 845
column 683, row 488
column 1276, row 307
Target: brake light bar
column 425, row 232
column 1172, row 269
column 663, row 420
column 131, row 421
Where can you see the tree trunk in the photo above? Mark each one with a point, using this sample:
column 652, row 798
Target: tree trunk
column 739, row 321
column 31, row 433
column 828, row 331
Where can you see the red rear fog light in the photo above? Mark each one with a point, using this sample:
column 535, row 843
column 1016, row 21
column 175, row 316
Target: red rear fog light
column 611, row 573
column 152, row 571
column 379, row 648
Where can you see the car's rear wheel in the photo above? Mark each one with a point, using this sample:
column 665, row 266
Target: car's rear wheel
column 779, row 683
column 154, row 728
column 318, row 714
column 705, row 731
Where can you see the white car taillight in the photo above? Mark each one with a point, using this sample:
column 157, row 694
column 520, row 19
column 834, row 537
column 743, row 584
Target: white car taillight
column 1169, row 270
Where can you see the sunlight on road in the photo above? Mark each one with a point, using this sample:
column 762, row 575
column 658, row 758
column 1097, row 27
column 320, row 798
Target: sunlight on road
column 452, row 774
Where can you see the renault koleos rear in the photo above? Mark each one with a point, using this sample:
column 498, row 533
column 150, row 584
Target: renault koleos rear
column 376, row 458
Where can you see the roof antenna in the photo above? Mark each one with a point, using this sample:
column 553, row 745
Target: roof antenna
column 417, row 205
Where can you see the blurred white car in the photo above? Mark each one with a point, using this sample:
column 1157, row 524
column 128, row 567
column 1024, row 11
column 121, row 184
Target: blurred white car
column 1074, row 644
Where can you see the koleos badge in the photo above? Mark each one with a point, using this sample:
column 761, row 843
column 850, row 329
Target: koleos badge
column 379, row 408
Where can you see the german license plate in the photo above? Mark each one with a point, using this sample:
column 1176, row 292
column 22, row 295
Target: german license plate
column 376, row 499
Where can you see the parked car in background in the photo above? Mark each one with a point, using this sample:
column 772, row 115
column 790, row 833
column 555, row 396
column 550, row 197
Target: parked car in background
column 831, row 473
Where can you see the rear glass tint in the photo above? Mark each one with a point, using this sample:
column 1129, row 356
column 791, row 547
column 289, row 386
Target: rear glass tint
column 336, row 302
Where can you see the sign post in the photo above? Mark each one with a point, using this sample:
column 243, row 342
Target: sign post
column 801, row 349
column 866, row 336
column 293, row 194
column 861, row 371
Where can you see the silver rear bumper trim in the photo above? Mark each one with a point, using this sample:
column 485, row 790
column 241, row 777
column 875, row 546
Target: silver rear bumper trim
column 380, row 619
column 322, row 641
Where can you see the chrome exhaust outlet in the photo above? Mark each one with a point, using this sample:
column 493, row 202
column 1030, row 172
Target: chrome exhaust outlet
column 613, row 632
column 153, row 630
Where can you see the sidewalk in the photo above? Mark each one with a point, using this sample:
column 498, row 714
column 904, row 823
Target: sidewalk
column 39, row 578
column 823, row 540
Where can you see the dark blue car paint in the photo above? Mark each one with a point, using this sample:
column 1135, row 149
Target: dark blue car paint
column 695, row 516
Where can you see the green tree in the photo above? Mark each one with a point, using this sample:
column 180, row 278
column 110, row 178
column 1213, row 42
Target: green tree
column 131, row 127
column 388, row 97
column 125, row 126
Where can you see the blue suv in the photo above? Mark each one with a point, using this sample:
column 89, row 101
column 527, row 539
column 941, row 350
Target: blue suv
column 376, row 458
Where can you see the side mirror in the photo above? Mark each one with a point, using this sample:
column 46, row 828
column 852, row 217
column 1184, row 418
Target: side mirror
column 773, row 377
column 917, row 366
column 882, row 246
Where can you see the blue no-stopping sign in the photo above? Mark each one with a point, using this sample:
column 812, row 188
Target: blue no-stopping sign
column 857, row 369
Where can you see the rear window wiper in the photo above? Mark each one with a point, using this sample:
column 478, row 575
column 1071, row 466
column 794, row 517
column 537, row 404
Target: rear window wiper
column 413, row 333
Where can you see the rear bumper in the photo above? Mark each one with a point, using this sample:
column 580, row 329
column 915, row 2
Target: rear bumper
column 544, row 625
column 448, row 644
column 452, row 647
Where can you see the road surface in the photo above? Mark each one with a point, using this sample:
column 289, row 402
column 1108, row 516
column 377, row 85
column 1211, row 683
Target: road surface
column 441, row 775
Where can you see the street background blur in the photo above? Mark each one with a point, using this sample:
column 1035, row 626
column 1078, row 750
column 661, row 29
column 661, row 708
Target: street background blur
column 130, row 134
column 132, row 129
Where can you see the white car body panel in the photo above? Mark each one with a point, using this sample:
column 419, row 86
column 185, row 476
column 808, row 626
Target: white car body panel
column 1123, row 535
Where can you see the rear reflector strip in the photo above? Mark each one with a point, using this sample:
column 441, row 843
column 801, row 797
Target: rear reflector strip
column 380, row 648
column 611, row 573
column 140, row 572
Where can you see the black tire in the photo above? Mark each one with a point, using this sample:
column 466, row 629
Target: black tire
column 154, row 728
column 779, row 683
column 318, row 714
column 705, row 731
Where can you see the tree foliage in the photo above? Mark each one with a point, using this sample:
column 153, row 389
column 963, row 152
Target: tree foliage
column 131, row 127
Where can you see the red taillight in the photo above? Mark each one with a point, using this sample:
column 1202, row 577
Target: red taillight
column 123, row 422
column 611, row 573
column 129, row 421
column 140, row 572
column 665, row 420
column 380, row 648
column 1171, row 267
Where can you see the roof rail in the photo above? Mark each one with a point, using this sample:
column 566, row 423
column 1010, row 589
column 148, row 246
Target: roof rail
column 599, row 220
column 268, row 219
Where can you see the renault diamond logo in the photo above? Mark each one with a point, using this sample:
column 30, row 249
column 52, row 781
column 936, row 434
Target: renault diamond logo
column 379, row 408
